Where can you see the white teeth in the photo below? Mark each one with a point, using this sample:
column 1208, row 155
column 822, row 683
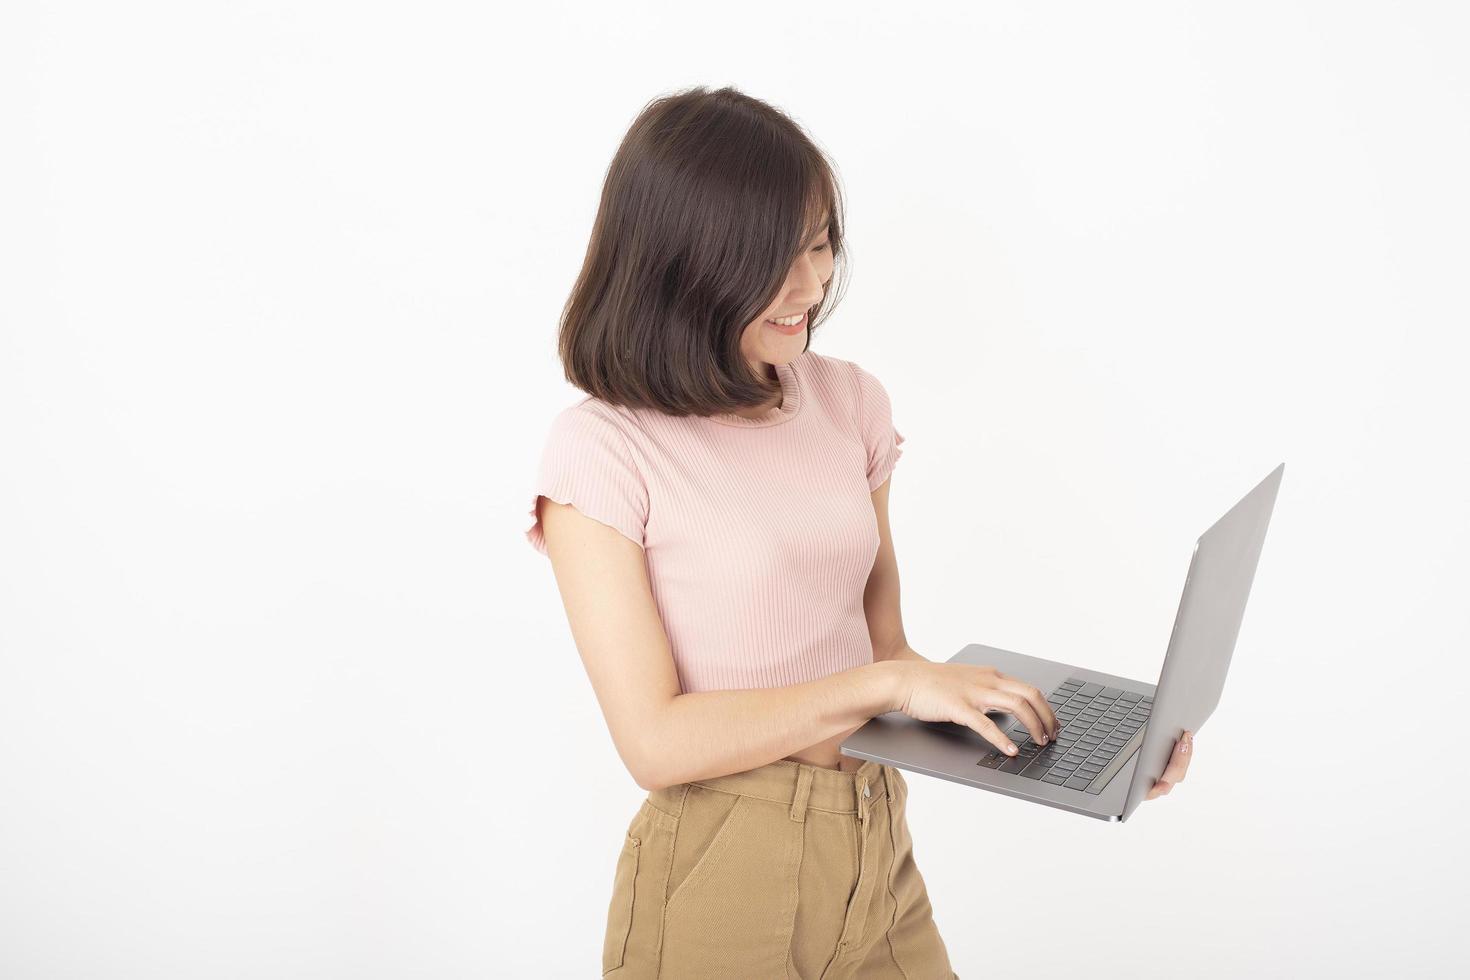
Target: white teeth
column 788, row 321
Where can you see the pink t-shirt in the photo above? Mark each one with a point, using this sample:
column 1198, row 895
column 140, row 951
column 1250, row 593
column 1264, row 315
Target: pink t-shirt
column 758, row 534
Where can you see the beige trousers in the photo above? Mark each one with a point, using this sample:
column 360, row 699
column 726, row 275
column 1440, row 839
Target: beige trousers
column 785, row 872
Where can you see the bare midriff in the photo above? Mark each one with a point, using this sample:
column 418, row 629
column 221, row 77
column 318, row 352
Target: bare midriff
column 826, row 754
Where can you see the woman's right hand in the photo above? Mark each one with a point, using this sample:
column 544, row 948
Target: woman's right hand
column 962, row 693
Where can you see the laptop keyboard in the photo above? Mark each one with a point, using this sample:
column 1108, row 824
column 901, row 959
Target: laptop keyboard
column 1101, row 727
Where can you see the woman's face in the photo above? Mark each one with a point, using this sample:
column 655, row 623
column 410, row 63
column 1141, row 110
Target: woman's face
column 771, row 343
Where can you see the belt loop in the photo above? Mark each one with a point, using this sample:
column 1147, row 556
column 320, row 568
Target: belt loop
column 803, row 793
column 888, row 781
column 683, row 796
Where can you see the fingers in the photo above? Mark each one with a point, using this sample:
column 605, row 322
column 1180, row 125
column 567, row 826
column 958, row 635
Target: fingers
column 1026, row 703
column 988, row 730
column 1176, row 768
column 1179, row 759
column 1022, row 709
column 1035, row 699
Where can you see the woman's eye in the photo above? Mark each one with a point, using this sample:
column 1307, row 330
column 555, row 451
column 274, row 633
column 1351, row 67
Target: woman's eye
column 821, row 246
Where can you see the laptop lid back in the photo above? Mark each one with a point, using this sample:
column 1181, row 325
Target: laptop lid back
column 1205, row 628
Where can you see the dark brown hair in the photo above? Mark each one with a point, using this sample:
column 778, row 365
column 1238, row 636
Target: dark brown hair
column 708, row 202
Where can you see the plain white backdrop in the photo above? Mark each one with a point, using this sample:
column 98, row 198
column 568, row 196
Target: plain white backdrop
column 284, row 692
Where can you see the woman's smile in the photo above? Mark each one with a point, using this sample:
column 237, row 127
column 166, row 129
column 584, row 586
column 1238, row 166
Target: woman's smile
column 791, row 330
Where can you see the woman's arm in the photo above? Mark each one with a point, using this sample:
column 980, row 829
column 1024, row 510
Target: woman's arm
column 710, row 733
column 880, row 596
column 662, row 736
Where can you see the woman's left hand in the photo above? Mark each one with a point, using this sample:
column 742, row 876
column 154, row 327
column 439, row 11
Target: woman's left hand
column 1177, row 767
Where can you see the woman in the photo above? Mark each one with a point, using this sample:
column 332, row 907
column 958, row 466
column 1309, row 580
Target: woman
column 716, row 514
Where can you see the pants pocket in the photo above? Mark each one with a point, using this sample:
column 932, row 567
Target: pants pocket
column 620, row 909
column 706, row 831
column 731, row 915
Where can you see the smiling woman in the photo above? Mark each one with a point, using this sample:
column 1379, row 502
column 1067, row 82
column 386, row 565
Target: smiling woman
column 712, row 513
column 717, row 213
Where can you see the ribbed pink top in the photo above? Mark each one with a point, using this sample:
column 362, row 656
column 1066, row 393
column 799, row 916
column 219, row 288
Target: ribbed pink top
column 758, row 533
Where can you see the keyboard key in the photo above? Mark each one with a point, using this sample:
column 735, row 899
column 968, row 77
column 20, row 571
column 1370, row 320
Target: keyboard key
column 1097, row 721
column 1014, row 764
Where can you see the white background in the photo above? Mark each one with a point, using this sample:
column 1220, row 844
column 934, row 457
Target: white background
column 284, row 692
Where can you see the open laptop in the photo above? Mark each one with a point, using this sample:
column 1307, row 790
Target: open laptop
column 1117, row 733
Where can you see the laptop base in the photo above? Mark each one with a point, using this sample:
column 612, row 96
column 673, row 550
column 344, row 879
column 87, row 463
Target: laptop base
column 954, row 752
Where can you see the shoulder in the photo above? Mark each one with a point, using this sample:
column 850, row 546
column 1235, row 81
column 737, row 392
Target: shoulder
column 586, row 462
column 833, row 379
column 590, row 427
column 589, row 415
column 825, row 367
column 839, row 378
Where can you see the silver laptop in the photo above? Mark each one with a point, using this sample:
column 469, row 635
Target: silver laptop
column 1117, row 733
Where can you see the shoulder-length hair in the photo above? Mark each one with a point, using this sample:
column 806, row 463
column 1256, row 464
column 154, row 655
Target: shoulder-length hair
column 710, row 199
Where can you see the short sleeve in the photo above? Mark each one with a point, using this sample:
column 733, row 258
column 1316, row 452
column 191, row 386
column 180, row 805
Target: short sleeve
column 880, row 438
column 586, row 463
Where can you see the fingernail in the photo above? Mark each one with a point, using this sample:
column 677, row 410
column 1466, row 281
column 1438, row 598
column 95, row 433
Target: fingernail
column 1011, row 747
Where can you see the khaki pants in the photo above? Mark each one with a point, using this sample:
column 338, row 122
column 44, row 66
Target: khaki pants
column 785, row 872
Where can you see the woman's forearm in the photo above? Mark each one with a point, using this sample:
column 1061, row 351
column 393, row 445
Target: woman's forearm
column 713, row 733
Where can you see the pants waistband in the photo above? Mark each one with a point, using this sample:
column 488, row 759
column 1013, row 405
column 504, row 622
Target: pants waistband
column 797, row 784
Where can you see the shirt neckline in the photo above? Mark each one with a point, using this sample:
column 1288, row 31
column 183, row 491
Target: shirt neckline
column 791, row 388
